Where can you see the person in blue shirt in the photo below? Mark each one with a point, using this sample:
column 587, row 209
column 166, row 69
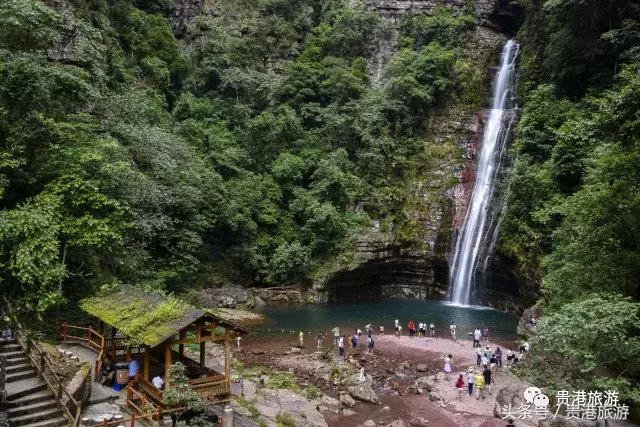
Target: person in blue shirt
column 134, row 368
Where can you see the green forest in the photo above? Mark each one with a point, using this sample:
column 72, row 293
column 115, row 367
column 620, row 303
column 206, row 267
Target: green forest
column 254, row 145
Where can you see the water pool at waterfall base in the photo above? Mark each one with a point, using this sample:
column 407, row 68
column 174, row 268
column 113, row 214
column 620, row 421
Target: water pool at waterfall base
column 383, row 312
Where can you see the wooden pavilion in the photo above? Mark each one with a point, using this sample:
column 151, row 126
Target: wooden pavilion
column 155, row 328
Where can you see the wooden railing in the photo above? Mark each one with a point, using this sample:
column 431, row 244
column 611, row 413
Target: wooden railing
column 213, row 390
column 87, row 336
column 71, row 407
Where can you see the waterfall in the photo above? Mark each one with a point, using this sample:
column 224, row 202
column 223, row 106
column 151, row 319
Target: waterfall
column 479, row 230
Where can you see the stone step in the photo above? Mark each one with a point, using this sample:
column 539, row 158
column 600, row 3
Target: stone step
column 8, row 348
column 55, row 422
column 36, row 417
column 38, row 396
column 14, row 369
column 20, row 376
column 14, row 354
column 16, row 361
column 22, row 389
column 32, row 408
column 7, row 341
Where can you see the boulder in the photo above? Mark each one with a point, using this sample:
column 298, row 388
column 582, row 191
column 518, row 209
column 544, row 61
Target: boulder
column 227, row 296
column 295, row 350
column 347, row 400
column 348, row 412
column 396, row 423
column 525, row 328
column 369, row 423
column 510, row 395
column 364, row 392
column 434, row 396
column 421, row 367
column 426, row 383
column 329, row 404
column 561, row 421
column 418, row 422
column 440, row 376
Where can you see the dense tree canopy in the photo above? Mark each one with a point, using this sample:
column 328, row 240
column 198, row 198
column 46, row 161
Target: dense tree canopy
column 253, row 147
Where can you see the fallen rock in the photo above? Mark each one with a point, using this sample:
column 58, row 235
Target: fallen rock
column 440, row 376
column 369, row 423
column 561, row 421
column 510, row 395
column 426, row 383
column 364, row 393
column 396, row 423
column 329, row 404
column 418, row 422
column 295, row 350
column 348, row 412
column 434, row 396
column 421, row 367
column 404, row 366
column 347, row 400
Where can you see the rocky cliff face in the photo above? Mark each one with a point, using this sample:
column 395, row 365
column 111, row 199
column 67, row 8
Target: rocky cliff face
column 384, row 267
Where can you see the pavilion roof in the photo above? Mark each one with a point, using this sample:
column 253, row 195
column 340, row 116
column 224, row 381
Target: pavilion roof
column 147, row 317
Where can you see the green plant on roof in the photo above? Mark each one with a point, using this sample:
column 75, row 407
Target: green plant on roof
column 137, row 318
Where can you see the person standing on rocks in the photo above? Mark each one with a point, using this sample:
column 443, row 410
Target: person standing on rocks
column 412, row 328
column 478, row 382
column 478, row 356
column 453, row 328
column 476, row 337
column 336, row 335
column 460, row 385
column 487, row 378
column 447, row 365
column 397, row 326
column 470, row 379
column 354, row 340
column 301, row 338
column 498, row 357
column 432, row 329
column 341, row 348
column 319, row 339
column 370, row 344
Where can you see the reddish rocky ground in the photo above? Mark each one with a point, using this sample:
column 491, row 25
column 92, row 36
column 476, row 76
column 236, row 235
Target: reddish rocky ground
column 395, row 365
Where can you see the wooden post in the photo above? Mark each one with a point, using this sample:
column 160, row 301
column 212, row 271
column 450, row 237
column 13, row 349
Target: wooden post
column 146, row 363
column 202, row 355
column 226, row 355
column 133, row 420
column 183, row 335
column 113, row 344
column 167, row 363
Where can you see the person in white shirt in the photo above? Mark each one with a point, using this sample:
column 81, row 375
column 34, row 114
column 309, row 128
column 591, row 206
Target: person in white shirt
column 470, row 378
column 478, row 356
column 452, row 328
column 432, row 329
column 341, row 348
column 158, row 382
column 397, row 325
column 510, row 357
column 476, row 337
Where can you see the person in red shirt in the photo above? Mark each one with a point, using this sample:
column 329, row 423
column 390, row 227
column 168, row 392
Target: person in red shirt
column 460, row 385
column 412, row 329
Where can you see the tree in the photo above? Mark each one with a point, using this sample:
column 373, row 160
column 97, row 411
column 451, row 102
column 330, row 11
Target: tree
column 179, row 395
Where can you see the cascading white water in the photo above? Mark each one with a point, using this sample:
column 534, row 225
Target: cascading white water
column 473, row 235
